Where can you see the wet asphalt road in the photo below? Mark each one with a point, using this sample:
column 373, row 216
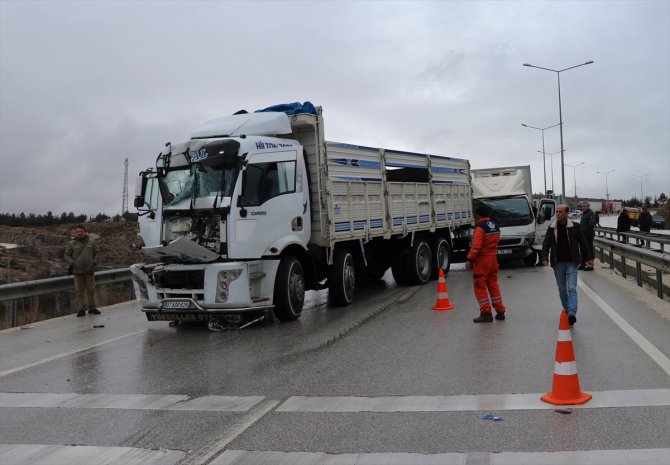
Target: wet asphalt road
column 389, row 343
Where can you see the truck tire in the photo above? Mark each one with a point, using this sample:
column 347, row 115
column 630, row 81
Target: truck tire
column 531, row 259
column 342, row 278
column 442, row 255
column 399, row 270
column 419, row 264
column 289, row 292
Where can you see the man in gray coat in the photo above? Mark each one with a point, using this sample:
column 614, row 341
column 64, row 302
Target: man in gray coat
column 81, row 255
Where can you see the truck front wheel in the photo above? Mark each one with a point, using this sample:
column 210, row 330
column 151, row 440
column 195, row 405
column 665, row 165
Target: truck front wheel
column 289, row 293
column 342, row 278
column 531, row 259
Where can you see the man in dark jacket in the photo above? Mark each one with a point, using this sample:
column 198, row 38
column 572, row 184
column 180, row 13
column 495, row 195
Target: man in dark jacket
column 81, row 254
column 587, row 224
column 563, row 247
column 645, row 220
column 623, row 224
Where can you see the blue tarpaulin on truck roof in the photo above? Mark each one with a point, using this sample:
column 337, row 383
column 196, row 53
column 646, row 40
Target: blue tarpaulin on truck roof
column 294, row 108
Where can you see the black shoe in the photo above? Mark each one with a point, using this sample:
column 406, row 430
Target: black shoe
column 94, row 311
column 580, row 267
column 588, row 268
column 484, row 317
column 572, row 319
column 500, row 316
column 81, row 313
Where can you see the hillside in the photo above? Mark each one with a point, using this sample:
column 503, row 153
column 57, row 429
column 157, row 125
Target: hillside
column 41, row 250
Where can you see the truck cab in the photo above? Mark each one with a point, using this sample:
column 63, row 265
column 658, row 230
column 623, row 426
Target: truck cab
column 507, row 192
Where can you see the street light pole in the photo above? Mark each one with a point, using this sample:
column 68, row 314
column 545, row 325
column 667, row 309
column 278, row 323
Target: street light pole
column 641, row 194
column 560, row 110
column 607, row 190
column 574, row 175
column 544, row 157
column 552, row 171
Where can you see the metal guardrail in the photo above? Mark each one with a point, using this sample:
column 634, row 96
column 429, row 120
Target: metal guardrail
column 641, row 238
column 25, row 289
column 658, row 260
column 16, row 291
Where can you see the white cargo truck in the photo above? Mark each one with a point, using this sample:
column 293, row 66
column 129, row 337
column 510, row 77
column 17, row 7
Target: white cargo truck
column 257, row 208
column 508, row 192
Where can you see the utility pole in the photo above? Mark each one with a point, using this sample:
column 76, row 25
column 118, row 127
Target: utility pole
column 124, row 201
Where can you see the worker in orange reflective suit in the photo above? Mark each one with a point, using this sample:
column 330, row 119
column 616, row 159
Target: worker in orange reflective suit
column 483, row 262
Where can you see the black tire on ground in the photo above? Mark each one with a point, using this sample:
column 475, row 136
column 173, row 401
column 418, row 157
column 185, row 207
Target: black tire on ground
column 419, row 263
column 399, row 270
column 442, row 256
column 531, row 259
column 289, row 292
column 342, row 278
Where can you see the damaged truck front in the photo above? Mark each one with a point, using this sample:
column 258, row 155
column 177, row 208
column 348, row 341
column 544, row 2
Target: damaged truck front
column 257, row 208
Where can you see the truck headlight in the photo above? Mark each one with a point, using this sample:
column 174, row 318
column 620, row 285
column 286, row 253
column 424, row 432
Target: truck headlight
column 224, row 278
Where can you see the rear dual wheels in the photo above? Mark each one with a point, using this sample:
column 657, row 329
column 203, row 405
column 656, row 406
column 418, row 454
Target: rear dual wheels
column 442, row 254
column 416, row 267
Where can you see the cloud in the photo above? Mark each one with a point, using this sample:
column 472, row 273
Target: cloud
column 83, row 85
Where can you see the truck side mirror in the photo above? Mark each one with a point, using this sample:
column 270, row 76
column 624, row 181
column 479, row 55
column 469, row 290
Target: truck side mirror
column 540, row 218
column 140, row 188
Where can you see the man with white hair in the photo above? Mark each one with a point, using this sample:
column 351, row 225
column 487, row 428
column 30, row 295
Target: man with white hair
column 563, row 247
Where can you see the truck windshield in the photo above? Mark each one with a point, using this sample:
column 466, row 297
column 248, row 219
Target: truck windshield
column 512, row 211
column 196, row 181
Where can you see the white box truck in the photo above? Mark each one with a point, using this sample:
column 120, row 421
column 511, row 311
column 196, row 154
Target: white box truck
column 257, row 208
column 508, row 193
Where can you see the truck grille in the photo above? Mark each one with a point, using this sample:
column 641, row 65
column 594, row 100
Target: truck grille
column 181, row 279
column 512, row 241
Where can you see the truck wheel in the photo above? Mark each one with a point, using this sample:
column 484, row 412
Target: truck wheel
column 289, row 294
column 530, row 260
column 399, row 270
column 419, row 264
column 342, row 278
column 442, row 254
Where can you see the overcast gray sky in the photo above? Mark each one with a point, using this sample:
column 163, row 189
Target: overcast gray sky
column 83, row 85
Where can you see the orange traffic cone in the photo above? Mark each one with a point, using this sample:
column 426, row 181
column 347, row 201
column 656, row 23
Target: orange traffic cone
column 565, row 390
column 442, row 302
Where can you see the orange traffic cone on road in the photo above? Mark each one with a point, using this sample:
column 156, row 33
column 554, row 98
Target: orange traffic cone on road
column 565, row 390
column 442, row 302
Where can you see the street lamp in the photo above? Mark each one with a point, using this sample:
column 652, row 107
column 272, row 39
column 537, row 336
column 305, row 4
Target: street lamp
column 607, row 190
column 574, row 175
column 560, row 112
column 641, row 176
column 552, row 169
column 544, row 158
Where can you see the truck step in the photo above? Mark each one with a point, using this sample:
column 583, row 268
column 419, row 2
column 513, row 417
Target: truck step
column 257, row 275
column 259, row 299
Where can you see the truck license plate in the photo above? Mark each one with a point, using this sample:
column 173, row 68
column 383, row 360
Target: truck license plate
column 504, row 251
column 176, row 305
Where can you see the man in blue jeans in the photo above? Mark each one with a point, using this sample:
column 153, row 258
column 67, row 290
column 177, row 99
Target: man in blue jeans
column 563, row 247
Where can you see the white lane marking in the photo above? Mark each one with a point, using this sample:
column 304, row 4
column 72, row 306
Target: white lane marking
column 128, row 401
column 205, row 454
column 65, row 354
column 602, row 399
column 609, row 457
column 651, row 350
column 41, row 454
